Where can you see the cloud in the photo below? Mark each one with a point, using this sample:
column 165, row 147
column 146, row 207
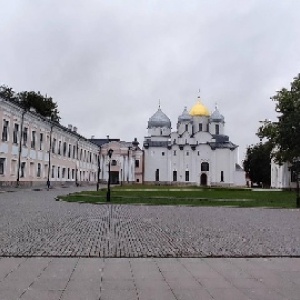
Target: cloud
column 107, row 63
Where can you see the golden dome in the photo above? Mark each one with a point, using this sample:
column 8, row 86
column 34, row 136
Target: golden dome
column 199, row 110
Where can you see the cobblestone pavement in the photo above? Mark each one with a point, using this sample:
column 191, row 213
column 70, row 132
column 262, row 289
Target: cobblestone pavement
column 47, row 278
column 34, row 224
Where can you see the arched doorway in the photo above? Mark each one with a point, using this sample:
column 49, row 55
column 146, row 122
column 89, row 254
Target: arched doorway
column 203, row 179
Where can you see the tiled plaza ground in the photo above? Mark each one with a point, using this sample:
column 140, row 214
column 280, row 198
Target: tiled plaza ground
column 149, row 279
column 44, row 245
column 34, row 224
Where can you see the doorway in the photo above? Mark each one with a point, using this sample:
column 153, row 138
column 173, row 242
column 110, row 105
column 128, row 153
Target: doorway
column 203, row 179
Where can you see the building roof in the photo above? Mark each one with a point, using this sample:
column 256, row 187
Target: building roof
column 216, row 116
column 199, row 110
column 101, row 142
column 159, row 119
column 185, row 116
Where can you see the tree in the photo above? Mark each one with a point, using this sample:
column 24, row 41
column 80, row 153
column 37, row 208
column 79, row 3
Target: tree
column 284, row 135
column 7, row 93
column 257, row 163
column 42, row 104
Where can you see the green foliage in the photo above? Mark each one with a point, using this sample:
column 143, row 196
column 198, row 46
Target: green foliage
column 7, row 93
column 43, row 105
column 284, row 135
column 257, row 163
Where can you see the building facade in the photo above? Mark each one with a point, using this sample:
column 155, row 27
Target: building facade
column 126, row 162
column 35, row 151
column 197, row 153
column 282, row 177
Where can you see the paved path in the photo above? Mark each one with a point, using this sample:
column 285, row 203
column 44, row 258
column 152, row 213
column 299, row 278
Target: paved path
column 34, row 224
column 44, row 245
column 152, row 278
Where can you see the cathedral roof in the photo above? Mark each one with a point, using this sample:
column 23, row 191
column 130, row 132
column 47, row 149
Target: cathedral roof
column 216, row 116
column 185, row 116
column 199, row 110
column 159, row 119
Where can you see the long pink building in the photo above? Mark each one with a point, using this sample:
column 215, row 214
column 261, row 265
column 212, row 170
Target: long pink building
column 35, row 151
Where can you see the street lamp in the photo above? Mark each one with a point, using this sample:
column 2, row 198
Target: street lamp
column 128, row 161
column 49, row 157
column 98, row 170
column 109, row 153
column 77, row 163
column 20, row 147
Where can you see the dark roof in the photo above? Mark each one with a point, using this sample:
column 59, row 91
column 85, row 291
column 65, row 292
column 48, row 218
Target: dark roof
column 224, row 145
column 221, row 142
column 101, row 142
column 163, row 144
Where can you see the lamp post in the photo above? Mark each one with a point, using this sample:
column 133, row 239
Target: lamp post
column 49, row 158
column 109, row 153
column 128, row 161
column 77, row 163
column 20, row 147
column 98, row 171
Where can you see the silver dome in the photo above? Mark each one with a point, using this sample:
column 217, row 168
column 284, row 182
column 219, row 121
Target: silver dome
column 185, row 116
column 216, row 116
column 159, row 119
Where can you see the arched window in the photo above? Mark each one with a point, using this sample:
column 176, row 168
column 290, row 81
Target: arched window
column 113, row 162
column 205, row 166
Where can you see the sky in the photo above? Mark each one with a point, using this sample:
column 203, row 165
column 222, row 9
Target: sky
column 108, row 64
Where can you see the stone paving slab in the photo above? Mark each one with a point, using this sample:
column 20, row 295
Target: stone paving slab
column 90, row 279
column 33, row 224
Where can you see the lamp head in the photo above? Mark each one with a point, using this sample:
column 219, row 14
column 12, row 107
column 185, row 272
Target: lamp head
column 110, row 152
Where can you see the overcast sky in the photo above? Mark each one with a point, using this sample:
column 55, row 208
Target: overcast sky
column 107, row 63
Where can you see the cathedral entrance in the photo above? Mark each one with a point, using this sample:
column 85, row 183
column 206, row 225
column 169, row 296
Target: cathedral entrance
column 203, row 179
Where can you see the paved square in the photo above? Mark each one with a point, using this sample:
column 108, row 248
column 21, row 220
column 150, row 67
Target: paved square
column 34, row 224
column 153, row 278
column 68, row 251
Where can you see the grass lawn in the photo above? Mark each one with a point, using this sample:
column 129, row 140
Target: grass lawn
column 191, row 196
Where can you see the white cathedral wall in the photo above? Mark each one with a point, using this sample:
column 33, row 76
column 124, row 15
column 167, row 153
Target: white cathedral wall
column 184, row 139
column 239, row 178
column 225, row 160
column 154, row 159
column 156, row 132
column 221, row 163
column 202, row 137
column 212, row 127
column 203, row 120
column 182, row 127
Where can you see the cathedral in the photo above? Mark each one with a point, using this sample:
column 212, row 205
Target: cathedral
column 197, row 153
